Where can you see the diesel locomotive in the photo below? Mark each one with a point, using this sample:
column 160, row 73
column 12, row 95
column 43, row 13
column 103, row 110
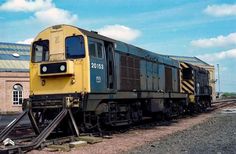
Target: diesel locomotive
column 108, row 82
column 81, row 81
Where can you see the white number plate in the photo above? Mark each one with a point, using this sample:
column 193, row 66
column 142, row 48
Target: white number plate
column 97, row 66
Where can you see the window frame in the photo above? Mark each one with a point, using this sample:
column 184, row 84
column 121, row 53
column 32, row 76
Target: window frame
column 33, row 52
column 103, row 49
column 18, row 94
column 96, row 48
column 77, row 57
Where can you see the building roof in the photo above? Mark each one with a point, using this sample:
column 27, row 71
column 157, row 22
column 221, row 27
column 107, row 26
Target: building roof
column 191, row 60
column 14, row 57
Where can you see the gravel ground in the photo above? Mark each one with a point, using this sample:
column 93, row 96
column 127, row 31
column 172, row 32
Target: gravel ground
column 216, row 135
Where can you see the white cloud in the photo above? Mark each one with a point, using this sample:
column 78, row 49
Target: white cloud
column 221, row 10
column 26, row 5
column 119, row 32
column 54, row 16
column 27, row 41
column 45, row 11
column 218, row 56
column 219, row 41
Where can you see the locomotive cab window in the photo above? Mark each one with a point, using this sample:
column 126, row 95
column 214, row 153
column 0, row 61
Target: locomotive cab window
column 96, row 49
column 187, row 73
column 40, row 51
column 99, row 50
column 75, row 47
column 92, row 49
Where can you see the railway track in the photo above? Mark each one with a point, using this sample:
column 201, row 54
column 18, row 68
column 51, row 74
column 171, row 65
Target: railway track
column 223, row 100
column 223, row 103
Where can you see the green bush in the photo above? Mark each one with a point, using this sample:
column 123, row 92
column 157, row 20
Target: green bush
column 229, row 95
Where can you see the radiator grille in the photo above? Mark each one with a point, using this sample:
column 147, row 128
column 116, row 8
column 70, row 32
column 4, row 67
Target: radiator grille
column 129, row 73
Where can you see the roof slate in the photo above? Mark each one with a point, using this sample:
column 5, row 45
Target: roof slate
column 11, row 63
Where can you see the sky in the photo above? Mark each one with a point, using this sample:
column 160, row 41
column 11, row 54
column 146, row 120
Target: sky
column 202, row 28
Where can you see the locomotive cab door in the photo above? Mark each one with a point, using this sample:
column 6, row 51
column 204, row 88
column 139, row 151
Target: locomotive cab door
column 109, row 48
column 98, row 66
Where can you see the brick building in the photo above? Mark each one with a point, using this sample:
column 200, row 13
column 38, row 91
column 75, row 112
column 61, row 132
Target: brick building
column 14, row 76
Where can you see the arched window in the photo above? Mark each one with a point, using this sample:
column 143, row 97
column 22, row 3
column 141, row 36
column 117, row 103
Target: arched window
column 17, row 94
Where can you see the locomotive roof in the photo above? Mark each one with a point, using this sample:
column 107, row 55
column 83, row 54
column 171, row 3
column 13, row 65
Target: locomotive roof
column 191, row 60
column 95, row 34
column 195, row 67
column 133, row 50
column 14, row 57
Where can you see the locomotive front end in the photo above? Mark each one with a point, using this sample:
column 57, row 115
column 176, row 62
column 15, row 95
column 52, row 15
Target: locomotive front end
column 59, row 70
column 59, row 65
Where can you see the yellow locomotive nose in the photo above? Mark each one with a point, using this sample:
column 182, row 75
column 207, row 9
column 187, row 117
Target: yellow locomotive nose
column 59, row 62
